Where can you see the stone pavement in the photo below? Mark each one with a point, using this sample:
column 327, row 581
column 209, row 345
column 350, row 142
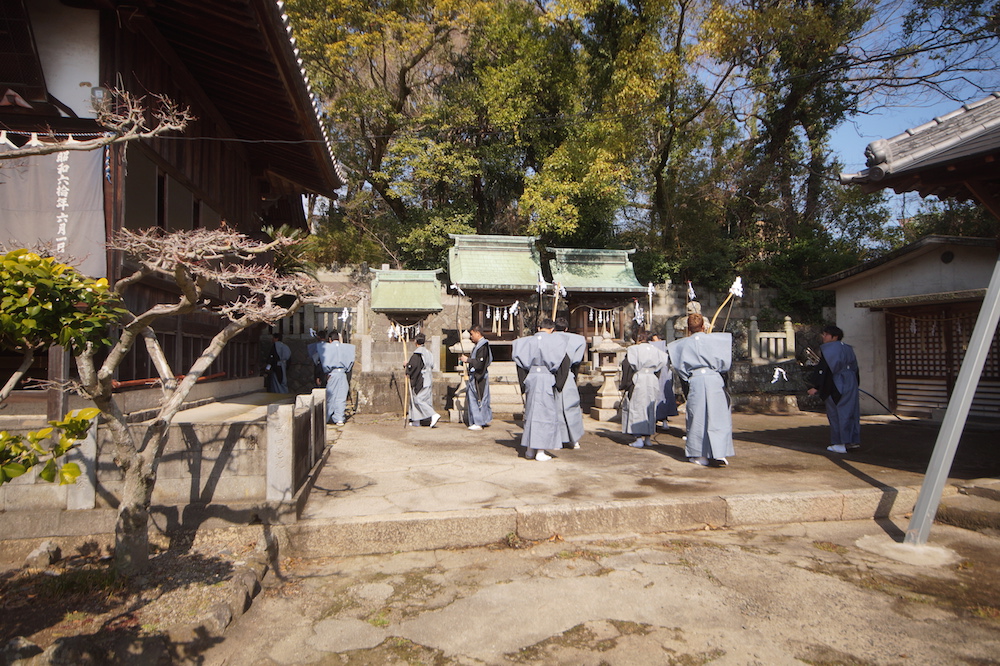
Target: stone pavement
column 791, row 594
column 388, row 488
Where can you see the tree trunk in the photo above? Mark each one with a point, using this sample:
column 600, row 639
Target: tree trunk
column 132, row 526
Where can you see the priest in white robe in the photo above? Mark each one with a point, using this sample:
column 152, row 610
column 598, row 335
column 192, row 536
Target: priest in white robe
column 640, row 385
column 700, row 359
column 667, row 405
column 571, row 426
column 337, row 361
column 420, row 371
column 542, row 367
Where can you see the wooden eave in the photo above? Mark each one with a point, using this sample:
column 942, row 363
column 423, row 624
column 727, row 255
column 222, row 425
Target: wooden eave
column 240, row 55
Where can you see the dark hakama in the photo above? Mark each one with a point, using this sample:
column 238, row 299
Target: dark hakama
column 478, row 410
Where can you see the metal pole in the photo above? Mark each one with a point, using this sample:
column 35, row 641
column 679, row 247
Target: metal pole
column 955, row 415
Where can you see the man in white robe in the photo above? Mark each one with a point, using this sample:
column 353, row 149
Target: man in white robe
column 836, row 380
column 571, row 427
column 640, row 384
column 700, row 359
column 277, row 366
column 542, row 367
column 420, row 371
column 667, row 405
column 336, row 360
column 478, row 412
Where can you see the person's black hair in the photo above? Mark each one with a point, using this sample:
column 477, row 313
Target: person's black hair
column 476, row 327
column 276, row 336
column 834, row 331
column 334, row 336
column 321, row 335
column 561, row 324
column 420, row 338
column 546, row 323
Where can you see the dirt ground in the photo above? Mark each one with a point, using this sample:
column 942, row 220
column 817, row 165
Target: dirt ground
column 107, row 617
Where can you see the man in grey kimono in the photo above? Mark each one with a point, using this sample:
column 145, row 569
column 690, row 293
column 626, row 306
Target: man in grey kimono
column 420, row 370
column 478, row 412
column 700, row 359
column 277, row 366
column 836, row 380
column 667, row 405
column 314, row 348
column 336, row 361
column 542, row 367
column 571, row 426
column 641, row 387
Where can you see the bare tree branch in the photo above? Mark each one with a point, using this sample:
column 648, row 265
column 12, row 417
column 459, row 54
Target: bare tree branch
column 125, row 117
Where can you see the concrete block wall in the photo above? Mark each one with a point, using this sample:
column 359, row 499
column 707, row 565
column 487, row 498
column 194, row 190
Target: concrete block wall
column 230, row 470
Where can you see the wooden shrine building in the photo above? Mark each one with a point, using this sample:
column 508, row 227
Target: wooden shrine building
column 500, row 276
column 600, row 287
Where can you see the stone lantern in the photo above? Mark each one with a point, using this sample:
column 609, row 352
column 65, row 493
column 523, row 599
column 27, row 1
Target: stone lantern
column 607, row 354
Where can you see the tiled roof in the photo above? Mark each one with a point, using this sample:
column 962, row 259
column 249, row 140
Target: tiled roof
column 594, row 270
column 501, row 263
column 969, row 131
column 406, row 291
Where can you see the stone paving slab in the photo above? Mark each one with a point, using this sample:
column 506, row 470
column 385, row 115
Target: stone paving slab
column 388, row 488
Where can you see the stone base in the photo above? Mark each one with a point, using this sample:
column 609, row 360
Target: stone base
column 766, row 404
column 603, row 413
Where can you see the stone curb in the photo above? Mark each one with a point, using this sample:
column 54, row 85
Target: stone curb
column 380, row 534
column 242, row 587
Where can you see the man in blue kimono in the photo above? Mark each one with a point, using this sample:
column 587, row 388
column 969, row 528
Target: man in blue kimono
column 420, row 370
column 836, row 380
column 337, row 360
column 542, row 367
column 571, row 427
column 640, row 385
column 700, row 359
column 667, row 405
column 478, row 412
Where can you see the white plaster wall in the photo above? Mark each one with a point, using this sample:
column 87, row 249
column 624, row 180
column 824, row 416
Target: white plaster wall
column 971, row 268
column 68, row 43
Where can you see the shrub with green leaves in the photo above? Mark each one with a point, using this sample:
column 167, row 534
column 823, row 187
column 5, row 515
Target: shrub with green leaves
column 19, row 453
column 45, row 302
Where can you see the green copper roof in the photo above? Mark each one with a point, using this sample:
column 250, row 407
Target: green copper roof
column 406, row 291
column 594, row 270
column 494, row 262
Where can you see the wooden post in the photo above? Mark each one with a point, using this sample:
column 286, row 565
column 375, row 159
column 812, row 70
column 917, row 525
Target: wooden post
column 752, row 338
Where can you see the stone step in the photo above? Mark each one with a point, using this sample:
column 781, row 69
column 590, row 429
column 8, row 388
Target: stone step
column 970, row 512
column 988, row 488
